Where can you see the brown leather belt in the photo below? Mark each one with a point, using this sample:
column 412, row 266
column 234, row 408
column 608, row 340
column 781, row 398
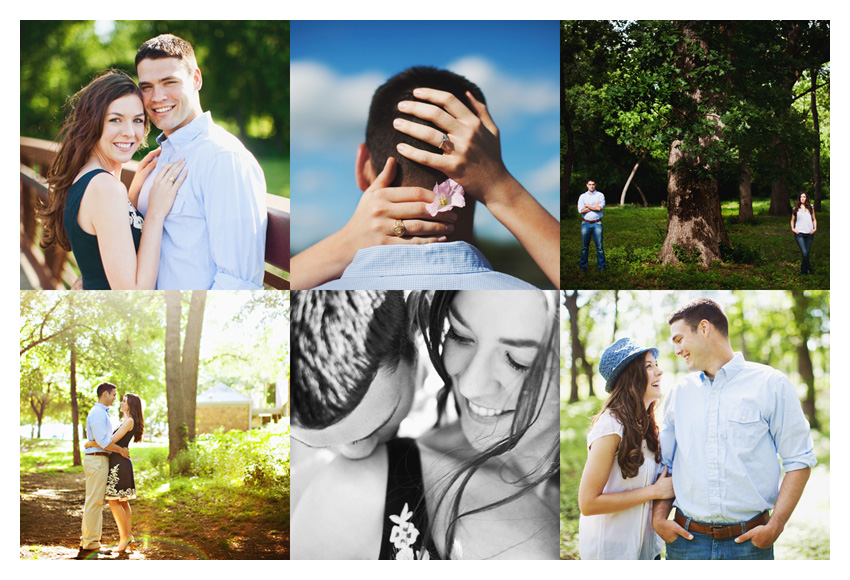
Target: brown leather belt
column 722, row 531
column 591, row 222
column 99, row 453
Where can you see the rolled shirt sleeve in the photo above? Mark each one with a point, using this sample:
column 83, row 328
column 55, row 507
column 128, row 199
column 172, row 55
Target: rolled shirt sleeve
column 236, row 214
column 789, row 428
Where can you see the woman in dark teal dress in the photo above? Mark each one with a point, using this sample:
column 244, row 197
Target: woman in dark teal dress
column 89, row 210
column 120, row 483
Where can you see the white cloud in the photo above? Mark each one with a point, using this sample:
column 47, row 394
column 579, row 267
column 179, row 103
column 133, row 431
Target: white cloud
column 507, row 95
column 327, row 109
column 545, row 178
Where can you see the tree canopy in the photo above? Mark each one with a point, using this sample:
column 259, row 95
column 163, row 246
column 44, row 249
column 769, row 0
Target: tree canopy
column 728, row 93
column 245, row 66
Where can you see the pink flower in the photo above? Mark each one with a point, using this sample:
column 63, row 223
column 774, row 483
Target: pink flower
column 447, row 195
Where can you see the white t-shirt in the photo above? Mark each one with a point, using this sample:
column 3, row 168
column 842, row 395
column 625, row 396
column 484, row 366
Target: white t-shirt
column 803, row 223
column 625, row 535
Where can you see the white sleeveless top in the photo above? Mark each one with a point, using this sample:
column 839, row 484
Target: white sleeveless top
column 625, row 535
column 804, row 223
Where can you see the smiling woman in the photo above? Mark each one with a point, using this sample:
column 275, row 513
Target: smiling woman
column 481, row 484
column 87, row 206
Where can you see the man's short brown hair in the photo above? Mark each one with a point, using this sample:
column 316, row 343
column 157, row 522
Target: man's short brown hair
column 701, row 309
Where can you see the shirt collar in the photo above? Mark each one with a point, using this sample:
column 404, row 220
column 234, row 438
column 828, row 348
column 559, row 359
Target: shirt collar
column 102, row 406
column 186, row 134
column 729, row 370
column 436, row 258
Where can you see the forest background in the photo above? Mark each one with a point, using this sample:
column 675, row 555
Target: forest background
column 245, row 65
column 788, row 330
column 707, row 131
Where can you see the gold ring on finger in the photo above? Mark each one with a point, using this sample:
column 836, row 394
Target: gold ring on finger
column 171, row 179
column 399, row 230
column 443, row 141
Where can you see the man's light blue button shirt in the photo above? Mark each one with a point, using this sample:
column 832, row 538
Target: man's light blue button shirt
column 720, row 440
column 98, row 428
column 437, row 266
column 595, row 198
column 215, row 234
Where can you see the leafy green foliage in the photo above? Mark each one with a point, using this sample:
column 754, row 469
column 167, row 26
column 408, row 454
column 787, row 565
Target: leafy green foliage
column 630, row 92
column 259, row 457
column 245, row 67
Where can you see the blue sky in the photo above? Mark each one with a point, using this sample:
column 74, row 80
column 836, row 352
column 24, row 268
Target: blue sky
column 336, row 67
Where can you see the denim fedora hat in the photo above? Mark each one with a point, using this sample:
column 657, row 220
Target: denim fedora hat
column 617, row 356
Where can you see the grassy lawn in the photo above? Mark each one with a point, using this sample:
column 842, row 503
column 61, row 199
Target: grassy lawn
column 228, row 493
column 766, row 254
column 276, row 170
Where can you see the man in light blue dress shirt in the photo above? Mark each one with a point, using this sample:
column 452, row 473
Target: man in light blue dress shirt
column 214, row 237
column 590, row 204
column 452, row 265
column 723, row 427
column 96, row 469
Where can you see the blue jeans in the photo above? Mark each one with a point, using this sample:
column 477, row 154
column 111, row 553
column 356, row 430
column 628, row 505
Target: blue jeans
column 588, row 230
column 703, row 547
column 805, row 243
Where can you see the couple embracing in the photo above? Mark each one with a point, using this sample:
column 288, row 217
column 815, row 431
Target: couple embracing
column 482, row 483
column 713, row 458
column 194, row 216
column 108, row 470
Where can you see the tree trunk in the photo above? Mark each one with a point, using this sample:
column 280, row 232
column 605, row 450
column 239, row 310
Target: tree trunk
column 818, row 193
column 577, row 352
column 569, row 158
column 745, row 190
column 804, row 358
column 177, row 424
column 694, row 221
column 780, row 196
column 75, row 410
column 191, row 352
column 642, row 196
column 571, row 302
column 629, row 180
column 616, row 311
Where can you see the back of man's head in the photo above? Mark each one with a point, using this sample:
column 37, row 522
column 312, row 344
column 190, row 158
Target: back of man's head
column 382, row 137
column 339, row 341
column 168, row 46
column 104, row 388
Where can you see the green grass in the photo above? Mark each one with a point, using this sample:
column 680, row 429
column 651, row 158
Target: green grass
column 276, row 170
column 575, row 422
column 764, row 253
column 241, row 476
column 47, row 456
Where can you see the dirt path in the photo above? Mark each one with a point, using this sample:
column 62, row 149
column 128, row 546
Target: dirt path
column 52, row 510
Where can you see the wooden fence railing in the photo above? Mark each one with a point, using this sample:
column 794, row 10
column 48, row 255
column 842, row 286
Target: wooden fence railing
column 52, row 267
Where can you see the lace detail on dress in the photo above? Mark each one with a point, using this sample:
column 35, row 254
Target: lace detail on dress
column 136, row 220
column 404, row 535
column 112, row 491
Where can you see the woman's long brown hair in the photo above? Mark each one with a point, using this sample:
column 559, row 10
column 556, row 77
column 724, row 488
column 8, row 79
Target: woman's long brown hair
column 83, row 127
column 431, row 316
column 800, row 204
column 134, row 404
column 627, row 405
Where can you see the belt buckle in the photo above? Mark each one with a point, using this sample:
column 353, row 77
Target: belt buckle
column 716, row 531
